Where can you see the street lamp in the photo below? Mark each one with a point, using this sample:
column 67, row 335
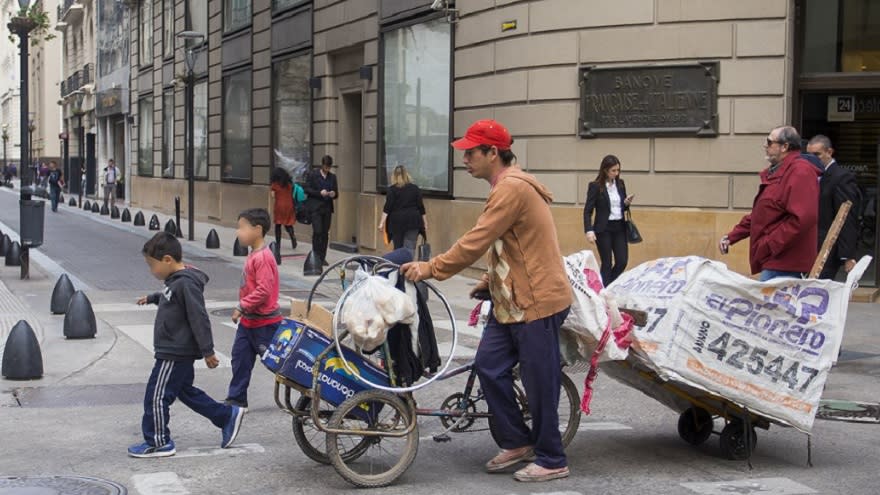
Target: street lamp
column 197, row 39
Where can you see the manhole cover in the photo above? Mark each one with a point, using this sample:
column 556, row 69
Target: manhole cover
column 853, row 412
column 81, row 395
column 58, row 485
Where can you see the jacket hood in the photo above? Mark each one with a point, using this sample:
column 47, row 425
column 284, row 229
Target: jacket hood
column 517, row 173
column 192, row 274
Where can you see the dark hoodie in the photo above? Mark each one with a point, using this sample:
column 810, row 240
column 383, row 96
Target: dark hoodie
column 182, row 330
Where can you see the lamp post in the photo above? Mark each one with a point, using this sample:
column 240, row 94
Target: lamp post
column 196, row 40
column 31, row 212
column 80, row 96
column 31, row 128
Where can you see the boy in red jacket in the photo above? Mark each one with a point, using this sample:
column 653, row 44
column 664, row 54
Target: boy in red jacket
column 258, row 314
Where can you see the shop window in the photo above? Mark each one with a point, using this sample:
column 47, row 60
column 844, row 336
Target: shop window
column 146, row 32
column 145, row 137
column 841, row 36
column 200, row 129
column 168, row 134
column 416, row 104
column 237, row 127
column 236, row 14
column 292, row 115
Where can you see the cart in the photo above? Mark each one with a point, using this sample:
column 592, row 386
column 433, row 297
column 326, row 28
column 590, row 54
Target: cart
column 372, row 436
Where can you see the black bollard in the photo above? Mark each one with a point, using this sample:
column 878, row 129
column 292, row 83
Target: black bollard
column 72, row 202
column 95, row 207
column 22, row 359
column 104, row 210
column 177, row 233
column 61, row 295
column 238, row 249
column 114, row 213
column 61, row 199
column 13, row 254
column 139, row 219
column 213, row 240
column 313, row 265
column 4, row 244
column 276, row 251
column 126, row 215
column 154, row 222
column 87, row 205
column 171, row 227
column 79, row 320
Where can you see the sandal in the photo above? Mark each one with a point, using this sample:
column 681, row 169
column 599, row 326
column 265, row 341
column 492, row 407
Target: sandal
column 534, row 473
column 510, row 457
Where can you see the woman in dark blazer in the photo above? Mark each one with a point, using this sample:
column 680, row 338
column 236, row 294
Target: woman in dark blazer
column 403, row 216
column 321, row 190
column 606, row 196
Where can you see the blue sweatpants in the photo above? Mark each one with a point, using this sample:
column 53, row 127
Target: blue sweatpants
column 245, row 350
column 171, row 380
column 535, row 346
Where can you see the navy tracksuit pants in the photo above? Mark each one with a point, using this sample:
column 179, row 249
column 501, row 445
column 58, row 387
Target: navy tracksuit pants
column 171, row 380
column 535, row 346
column 245, row 350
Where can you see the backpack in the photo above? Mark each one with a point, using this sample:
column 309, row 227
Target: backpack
column 299, row 195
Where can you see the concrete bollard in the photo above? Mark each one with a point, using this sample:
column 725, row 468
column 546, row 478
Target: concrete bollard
column 61, row 295
column 104, row 210
column 238, row 249
column 72, row 202
column 95, row 207
column 213, row 240
column 171, row 227
column 313, row 265
column 114, row 213
column 13, row 254
column 87, row 205
column 79, row 320
column 22, row 359
column 4, row 244
column 154, row 222
column 126, row 215
column 139, row 219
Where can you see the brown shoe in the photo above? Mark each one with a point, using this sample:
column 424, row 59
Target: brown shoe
column 534, row 472
column 510, row 457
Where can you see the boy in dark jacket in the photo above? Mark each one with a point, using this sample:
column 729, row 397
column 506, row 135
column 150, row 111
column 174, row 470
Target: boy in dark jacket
column 181, row 334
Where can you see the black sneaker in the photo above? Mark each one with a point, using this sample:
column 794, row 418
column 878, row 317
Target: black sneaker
column 237, row 403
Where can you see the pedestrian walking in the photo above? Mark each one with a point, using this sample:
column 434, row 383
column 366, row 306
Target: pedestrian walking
column 181, row 334
column 783, row 224
column 837, row 185
column 258, row 314
column 530, row 296
column 403, row 216
column 321, row 190
column 607, row 198
column 283, row 212
column 55, row 179
column 111, row 175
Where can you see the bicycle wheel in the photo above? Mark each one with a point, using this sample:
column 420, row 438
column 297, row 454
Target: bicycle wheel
column 569, row 409
column 385, row 458
column 309, row 437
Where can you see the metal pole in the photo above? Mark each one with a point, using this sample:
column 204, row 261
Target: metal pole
column 82, row 160
column 190, row 154
column 25, row 194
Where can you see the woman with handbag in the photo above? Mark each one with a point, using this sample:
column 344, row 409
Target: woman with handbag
column 282, row 210
column 606, row 196
column 404, row 211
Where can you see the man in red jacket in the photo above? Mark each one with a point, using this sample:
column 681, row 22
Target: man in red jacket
column 783, row 224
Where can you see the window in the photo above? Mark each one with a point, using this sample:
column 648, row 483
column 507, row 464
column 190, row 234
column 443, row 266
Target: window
column 292, row 104
column 200, row 129
column 415, row 104
column 146, row 32
column 168, row 28
column 145, row 137
column 197, row 16
column 168, row 134
column 236, row 14
column 237, row 127
column 841, row 36
column 286, row 4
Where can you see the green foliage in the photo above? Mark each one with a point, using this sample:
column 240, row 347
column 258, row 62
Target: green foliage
column 37, row 20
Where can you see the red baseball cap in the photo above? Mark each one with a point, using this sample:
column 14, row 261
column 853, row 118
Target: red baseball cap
column 488, row 132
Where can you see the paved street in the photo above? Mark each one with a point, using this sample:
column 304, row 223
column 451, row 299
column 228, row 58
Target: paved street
column 82, row 415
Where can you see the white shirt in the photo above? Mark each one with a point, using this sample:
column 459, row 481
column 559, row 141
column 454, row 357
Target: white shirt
column 110, row 175
column 614, row 196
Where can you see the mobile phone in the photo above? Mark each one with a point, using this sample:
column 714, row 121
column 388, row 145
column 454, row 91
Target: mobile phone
column 482, row 295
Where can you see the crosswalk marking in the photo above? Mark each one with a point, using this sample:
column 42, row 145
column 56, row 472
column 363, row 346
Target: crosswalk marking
column 143, row 335
column 602, row 426
column 163, row 483
column 238, row 449
column 762, row 486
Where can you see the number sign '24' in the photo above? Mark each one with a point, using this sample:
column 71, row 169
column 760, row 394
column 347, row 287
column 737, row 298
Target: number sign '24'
column 767, row 346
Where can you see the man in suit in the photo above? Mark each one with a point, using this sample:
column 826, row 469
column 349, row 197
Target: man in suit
column 321, row 190
column 836, row 186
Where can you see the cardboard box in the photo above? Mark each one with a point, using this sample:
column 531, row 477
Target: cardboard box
column 317, row 317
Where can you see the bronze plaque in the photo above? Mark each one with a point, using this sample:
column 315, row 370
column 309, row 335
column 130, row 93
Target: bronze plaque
column 677, row 99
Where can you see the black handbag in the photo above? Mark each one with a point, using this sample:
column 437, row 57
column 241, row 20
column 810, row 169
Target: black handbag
column 423, row 250
column 632, row 232
column 304, row 214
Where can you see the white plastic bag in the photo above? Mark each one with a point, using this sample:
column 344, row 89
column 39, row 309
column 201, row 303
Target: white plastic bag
column 372, row 306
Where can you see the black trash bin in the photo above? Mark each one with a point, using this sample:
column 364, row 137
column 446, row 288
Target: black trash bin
column 32, row 217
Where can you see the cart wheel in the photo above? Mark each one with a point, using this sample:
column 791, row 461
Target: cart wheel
column 385, row 458
column 309, row 437
column 695, row 425
column 569, row 409
column 458, row 401
column 733, row 441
